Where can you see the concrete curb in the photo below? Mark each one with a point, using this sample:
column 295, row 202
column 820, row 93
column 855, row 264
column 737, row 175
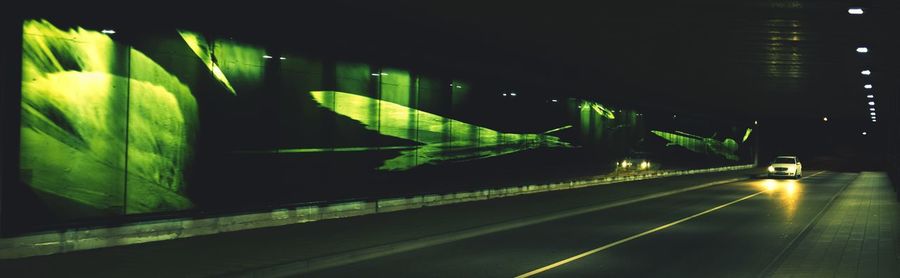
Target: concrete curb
column 90, row 238
column 291, row 269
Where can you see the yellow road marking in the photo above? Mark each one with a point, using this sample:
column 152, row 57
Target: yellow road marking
column 627, row 239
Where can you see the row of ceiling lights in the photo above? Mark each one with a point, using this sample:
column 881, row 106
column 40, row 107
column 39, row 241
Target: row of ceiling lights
column 870, row 96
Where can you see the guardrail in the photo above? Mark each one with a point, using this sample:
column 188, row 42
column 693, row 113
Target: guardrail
column 90, row 238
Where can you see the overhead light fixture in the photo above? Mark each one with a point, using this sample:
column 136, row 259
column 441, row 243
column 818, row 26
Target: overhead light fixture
column 865, row 133
column 375, row 74
column 554, row 100
column 870, row 96
column 866, row 72
column 108, row 31
column 871, row 103
column 862, row 49
column 855, row 11
column 824, row 119
column 504, row 94
column 871, row 108
column 873, row 113
column 267, row 57
column 511, row 94
column 458, row 87
column 282, row 58
column 867, row 86
column 755, row 122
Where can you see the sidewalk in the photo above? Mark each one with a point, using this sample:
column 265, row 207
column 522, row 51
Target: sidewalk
column 858, row 236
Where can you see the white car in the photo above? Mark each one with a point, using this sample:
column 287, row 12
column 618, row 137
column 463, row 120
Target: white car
column 786, row 166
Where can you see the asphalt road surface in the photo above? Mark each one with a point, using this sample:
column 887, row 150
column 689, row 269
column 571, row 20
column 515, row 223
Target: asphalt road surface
column 737, row 229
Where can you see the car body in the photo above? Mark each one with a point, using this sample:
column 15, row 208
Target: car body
column 785, row 166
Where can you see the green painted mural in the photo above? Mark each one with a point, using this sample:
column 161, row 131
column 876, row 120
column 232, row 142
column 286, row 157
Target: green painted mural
column 466, row 142
column 76, row 141
column 726, row 148
column 184, row 122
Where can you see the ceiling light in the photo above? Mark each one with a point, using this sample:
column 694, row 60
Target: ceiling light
column 862, row 49
column 282, row 58
column 867, row 86
column 855, row 11
column 871, row 108
column 512, row 94
column 871, row 103
column 870, row 96
column 864, row 133
column 375, row 74
column 553, row 100
column 108, row 31
column 267, row 57
column 873, row 113
column 866, row 72
column 825, row 119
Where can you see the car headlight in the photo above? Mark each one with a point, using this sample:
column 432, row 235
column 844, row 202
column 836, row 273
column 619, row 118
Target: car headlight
column 771, row 168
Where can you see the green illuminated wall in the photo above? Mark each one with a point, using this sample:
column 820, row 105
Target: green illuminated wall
column 100, row 119
column 184, row 122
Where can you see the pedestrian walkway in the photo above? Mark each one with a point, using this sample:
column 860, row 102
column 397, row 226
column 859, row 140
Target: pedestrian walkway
column 858, row 236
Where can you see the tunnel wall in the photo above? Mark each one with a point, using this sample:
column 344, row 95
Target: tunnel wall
column 171, row 123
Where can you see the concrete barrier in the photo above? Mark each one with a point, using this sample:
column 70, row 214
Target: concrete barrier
column 75, row 239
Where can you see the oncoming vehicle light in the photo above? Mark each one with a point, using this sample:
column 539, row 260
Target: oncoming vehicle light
column 645, row 165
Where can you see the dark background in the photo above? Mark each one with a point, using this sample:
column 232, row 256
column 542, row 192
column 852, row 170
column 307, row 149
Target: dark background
column 696, row 57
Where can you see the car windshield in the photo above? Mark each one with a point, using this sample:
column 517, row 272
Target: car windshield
column 784, row 160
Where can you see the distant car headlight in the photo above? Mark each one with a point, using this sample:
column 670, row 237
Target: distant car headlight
column 771, row 168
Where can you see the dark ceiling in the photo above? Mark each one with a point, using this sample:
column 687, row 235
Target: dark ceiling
column 741, row 59
column 746, row 59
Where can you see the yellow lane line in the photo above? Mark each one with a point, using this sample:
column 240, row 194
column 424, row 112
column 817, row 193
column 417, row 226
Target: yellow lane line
column 627, row 239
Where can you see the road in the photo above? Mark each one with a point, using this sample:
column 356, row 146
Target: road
column 736, row 229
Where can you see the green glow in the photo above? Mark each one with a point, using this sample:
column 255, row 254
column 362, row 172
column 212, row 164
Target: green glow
column 395, row 86
column 725, row 148
column 74, row 98
column 747, row 134
column 594, row 120
column 162, row 115
column 242, row 63
column 353, row 77
column 460, row 146
column 319, row 150
column 603, row 111
column 200, row 46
